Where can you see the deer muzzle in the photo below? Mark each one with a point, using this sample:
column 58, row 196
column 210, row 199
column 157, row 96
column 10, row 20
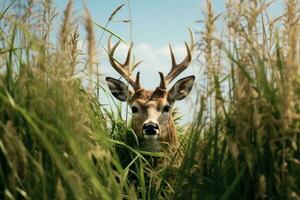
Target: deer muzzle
column 150, row 130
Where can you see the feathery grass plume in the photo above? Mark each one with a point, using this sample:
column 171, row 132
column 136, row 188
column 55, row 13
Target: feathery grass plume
column 261, row 194
column 208, row 40
column 244, row 30
column 64, row 63
column 73, row 51
column 66, row 26
column 91, row 45
column 212, row 54
column 208, row 37
column 43, row 24
column 115, row 12
column 28, row 10
column 290, row 98
column 47, row 15
column 291, row 41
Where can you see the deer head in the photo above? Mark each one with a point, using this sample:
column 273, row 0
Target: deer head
column 152, row 118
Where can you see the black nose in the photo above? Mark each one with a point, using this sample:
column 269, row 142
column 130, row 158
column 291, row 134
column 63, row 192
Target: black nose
column 150, row 128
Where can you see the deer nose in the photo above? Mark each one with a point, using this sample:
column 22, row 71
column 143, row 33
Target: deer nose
column 150, row 128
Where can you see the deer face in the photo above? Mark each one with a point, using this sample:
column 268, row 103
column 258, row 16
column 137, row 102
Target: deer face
column 151, row 109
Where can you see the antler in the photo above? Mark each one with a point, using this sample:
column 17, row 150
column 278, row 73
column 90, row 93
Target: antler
column 124, row 69
column 178, row 68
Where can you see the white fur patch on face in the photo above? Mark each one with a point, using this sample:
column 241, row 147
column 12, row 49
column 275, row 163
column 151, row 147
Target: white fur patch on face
column 150, row 136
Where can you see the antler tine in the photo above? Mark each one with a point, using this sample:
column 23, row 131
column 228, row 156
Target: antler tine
column 192, row 39
column 127, row 61
column 162, row 84
column 136, row 64
column 176, row 69
column 122, row 69
column 137, row 81
column 172, row 56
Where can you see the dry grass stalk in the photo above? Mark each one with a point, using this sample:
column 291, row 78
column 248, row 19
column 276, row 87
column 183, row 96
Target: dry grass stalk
column 66, row 26
column 291, row 39
column 90, row 39
column 115, row 12
column 73, row 51
column 48, row 15
column 91, row 45
column 212, row 52
column 261, row 187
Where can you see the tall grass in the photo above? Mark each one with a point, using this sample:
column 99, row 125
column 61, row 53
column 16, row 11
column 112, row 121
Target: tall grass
column 57, row 141
column 248, row 146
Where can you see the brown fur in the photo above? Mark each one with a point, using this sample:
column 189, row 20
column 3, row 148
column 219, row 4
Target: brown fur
column 153, row 107
column 156, row 99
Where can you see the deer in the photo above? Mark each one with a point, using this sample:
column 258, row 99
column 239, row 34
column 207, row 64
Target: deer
column 152, row 118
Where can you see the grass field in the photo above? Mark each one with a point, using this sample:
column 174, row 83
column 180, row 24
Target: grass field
column 57, row 140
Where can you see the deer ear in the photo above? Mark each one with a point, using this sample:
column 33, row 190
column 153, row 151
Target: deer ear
column 181, row 88
column 118, row 89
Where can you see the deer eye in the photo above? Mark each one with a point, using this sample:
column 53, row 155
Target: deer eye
column 134, row 109
column 166, row 108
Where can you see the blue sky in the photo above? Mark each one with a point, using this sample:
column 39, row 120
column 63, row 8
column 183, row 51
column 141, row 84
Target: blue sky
column 155, row 24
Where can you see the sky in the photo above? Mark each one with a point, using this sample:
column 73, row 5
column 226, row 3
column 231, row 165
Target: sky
column 154, row 24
